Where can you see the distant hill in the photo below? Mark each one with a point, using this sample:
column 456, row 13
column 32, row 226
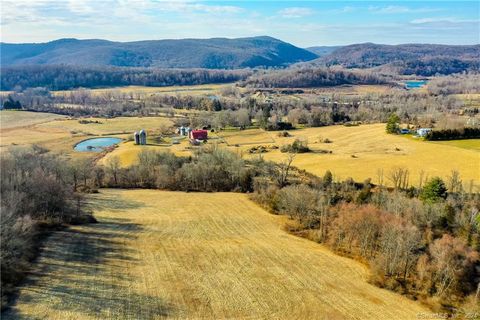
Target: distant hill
column 323, row 50
column 221, row 53
column 421, row 59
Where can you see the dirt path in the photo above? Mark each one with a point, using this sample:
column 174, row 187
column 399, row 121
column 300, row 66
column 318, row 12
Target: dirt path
column 161, row 254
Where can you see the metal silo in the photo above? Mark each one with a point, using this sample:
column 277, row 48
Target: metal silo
column 136, row 137
column 143, row 137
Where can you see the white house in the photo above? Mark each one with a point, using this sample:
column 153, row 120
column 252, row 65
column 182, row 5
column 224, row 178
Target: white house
column 422, row 132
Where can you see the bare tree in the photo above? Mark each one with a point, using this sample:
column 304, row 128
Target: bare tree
column 399, row 178
column 113, row 168
column 283, row 170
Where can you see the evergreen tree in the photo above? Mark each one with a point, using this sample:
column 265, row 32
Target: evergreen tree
column 434, row 190
column 393, row 123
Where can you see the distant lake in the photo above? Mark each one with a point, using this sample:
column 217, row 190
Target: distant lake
column 96, row 144
column 414, row 84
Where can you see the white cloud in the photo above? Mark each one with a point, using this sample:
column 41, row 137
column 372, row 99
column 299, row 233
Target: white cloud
column 295, row 12
column 392, row 9
column 442, row 20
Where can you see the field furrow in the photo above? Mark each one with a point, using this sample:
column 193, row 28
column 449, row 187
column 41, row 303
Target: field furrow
column 157, row 254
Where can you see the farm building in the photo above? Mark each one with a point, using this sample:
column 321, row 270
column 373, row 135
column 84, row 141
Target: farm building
column 422, row 132
column 140, row 137
column 183, row 131
column 198, row 135
column 136, row 137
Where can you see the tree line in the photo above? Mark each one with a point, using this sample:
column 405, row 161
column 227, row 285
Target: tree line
column 423, row 242
column 453, row 134
column 37, row 195
column 63, row 77
column 305, row 77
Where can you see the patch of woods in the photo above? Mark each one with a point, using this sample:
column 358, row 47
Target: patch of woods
column 63, row 77
column 422, row 242
column 37, row 195
column 406, row 59
column 455, row 84
column 307, row 77
column 453, row 134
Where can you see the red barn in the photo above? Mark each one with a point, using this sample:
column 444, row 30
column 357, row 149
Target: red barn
column 198, row 134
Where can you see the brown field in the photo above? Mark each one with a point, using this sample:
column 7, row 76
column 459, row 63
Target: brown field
column 156, row 255
column 192, row 90
column 60, row 134
column 359, row 152
column 373, row 150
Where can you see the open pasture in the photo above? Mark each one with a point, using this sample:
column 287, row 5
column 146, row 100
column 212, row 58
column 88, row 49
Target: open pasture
column 103, row 126
column 60, row 134
column 203, row 89
column 156, row 255
column 361, row 152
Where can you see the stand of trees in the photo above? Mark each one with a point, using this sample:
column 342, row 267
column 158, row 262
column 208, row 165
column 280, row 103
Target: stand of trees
column 63, row 77
column 426, row 247
column 459, row 83
column 453, row 134
column 36, row 196
column 311, row 77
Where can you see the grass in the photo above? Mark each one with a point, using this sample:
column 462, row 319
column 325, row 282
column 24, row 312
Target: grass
column 10, row 119
column 360, row 152
column 111, row 126
column 60, row 134
column 158, row 254
column 469, row 144
column 246, row 137
column 192, row 90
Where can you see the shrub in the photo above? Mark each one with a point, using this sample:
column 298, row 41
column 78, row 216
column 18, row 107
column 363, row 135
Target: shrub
column 297, row 146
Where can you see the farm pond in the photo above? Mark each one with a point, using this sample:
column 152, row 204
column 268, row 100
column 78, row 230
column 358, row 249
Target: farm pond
column 414, row 84
column 96, row 144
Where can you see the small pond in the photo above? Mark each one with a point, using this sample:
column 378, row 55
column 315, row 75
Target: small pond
column 414, row 84
column 96, row 144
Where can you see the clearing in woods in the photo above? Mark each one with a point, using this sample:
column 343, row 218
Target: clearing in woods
column 157, row 254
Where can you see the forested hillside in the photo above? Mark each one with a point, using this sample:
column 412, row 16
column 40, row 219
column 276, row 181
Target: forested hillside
column 59, row 77
column 420, row 59
column 216, row 53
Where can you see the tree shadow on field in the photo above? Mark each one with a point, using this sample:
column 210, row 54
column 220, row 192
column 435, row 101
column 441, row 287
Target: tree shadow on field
column 85, row 271
column 112, row 202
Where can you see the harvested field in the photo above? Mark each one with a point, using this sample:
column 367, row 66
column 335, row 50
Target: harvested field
column 60, row 134
column 190, row 90
column 361, row 151
column 156, row 255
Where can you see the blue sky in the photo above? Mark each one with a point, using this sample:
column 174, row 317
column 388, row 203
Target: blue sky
column 303, row 23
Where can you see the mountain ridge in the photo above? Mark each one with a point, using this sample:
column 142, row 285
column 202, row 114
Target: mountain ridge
column 221, row 53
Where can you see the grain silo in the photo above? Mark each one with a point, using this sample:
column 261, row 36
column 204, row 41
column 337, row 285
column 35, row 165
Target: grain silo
column 136, row 137
column 143, row 137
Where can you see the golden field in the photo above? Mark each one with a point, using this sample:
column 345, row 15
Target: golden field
column 359, row 152
column 373, row 150
column 157, row 254
column 202, row 89
column 60, row 134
